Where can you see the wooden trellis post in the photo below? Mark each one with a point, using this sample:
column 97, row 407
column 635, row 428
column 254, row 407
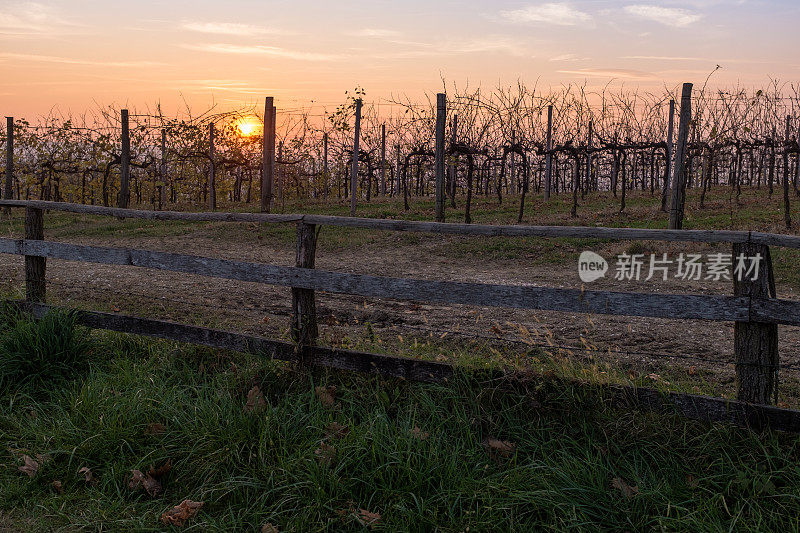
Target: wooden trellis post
column 268, row 156
column 8, row 192
column 548, row 158
column 668, row 162
column 212, row 170
column 383, row 159
column 755, row 343
column 354, row 167
column 125, row 162
column 441, row 109
column 162, row 196
column 678, row 175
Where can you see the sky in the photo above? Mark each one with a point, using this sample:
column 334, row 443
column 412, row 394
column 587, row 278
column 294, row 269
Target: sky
column 81, row 54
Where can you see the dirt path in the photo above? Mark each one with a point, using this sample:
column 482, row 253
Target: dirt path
column 634, row 343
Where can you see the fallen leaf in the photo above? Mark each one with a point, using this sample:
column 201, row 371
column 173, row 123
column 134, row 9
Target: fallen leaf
column 417, row 433
column 87, row 474
column 266, row 321
column 326, row 395
column 255, row 401
column 269, row 528
column 692, row 370
column 367, row 518
column 178, row 515
column 115, row 309
column 30, row 467
column 56, row 484
column 162, row 470
column 325, row 453
column 626, row 490
column 150, row 484
column 155, row 428
column 334, row 430
column 503, row 448
column 496, row 330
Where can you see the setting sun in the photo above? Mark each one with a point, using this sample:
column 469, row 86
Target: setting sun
column 247, row 127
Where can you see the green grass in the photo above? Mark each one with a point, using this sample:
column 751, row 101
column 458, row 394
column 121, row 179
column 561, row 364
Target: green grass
column 254, row 468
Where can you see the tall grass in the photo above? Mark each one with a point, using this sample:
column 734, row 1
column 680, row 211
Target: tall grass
column 40, row 353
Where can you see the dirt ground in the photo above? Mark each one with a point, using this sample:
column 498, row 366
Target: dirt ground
column 643, row 345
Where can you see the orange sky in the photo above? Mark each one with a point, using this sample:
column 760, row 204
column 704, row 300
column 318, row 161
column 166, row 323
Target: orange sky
column 79, row 54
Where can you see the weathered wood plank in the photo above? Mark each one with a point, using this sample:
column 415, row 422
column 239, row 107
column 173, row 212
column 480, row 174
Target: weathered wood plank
column 679, row 306
column 708, row 236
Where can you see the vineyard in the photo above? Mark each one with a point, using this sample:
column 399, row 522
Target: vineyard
column 501, row 144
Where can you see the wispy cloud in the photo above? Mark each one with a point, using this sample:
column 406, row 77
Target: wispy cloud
column 274, row 51
column 375, row 32
column 561, row 14
column 73, row 61
column 231, row 28
column 610, row 73
column 31, row 18
column 669, row 16
column 569, row 57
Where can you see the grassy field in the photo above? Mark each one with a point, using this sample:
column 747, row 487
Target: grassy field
column 470, row 455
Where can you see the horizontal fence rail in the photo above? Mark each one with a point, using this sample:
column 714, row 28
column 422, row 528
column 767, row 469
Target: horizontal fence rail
column 581, row 232
column 754, row 307
column 676, row 306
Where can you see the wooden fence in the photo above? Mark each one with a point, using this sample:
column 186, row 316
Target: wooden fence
column 753, row 306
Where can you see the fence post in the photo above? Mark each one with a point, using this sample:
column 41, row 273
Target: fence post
column 304, row 310
column 548, row 157
column 755, row 343
column 34, row 266
column 354, row 167
column 441, row 109
column 125, row 162
column 678, row 172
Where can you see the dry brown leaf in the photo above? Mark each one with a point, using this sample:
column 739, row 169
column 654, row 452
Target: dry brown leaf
column 334, row 430
column 255, row 400
column 325, row 453
column 178, row 515
column 503, row 448
column 419, row 434
column 326, row 395
column 692, row 370
column 265, row 320
column 57, row 486
column 367, row 518
column 87, row 474
column 269, row 528
column 155, row 428
column 161, row 471
column 150, row 484
column 626, row 490
column 30, row 467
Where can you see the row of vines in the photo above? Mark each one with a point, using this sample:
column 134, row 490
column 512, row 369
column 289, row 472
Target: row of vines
column 497, row 145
